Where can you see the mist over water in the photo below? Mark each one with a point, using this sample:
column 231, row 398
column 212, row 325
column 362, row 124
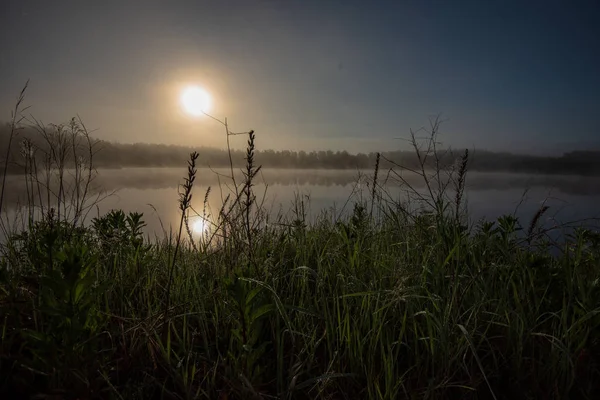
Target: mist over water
column 154, row 192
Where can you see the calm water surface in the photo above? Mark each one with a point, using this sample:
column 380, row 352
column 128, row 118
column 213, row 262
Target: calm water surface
column 154, row 191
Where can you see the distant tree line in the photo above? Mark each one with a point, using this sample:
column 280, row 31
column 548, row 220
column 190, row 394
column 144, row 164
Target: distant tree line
column 119, row 155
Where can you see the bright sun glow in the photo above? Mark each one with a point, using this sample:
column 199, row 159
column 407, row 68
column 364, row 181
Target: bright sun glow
column 195, row 100
column 200, row 226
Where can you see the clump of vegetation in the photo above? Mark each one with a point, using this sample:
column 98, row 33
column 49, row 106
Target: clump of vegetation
column 392, row 300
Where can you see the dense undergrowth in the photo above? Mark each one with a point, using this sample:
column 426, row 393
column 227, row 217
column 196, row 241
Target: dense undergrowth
column 388, row 302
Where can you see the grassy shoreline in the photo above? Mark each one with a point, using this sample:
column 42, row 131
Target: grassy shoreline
column 395, row 309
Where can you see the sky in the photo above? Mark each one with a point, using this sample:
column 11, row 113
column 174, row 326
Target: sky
column 517, row 76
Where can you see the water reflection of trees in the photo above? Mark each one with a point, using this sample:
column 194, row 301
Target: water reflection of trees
column 162, row 178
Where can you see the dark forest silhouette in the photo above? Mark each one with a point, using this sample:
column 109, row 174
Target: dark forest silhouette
column 120, row 155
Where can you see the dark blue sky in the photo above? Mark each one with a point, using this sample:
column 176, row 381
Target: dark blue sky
column 507, row 75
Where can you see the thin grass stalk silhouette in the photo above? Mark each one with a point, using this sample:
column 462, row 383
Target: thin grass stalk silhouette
column 185, row 199
column 375, row 176
column 534, row 222
column 16, row 119
column 460, row 184
column 249, row 175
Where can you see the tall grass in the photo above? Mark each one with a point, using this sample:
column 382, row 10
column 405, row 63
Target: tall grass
column 404, row 300
column 15, row 121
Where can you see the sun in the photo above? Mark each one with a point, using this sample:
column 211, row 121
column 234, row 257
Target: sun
column 195, row 100
column 200, row 226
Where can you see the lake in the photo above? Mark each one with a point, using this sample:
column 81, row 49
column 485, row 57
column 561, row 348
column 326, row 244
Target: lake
column 154, row 191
